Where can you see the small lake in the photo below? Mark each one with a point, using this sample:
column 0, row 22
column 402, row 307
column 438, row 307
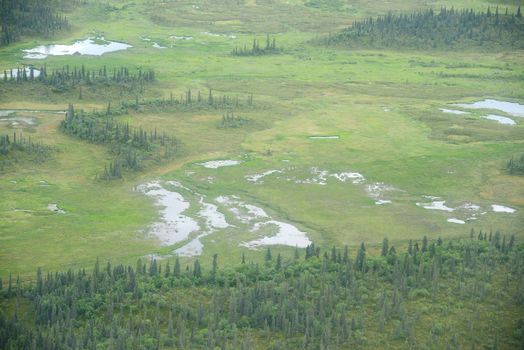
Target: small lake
column 89, row 46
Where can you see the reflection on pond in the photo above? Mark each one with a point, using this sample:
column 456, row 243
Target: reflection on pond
column 89, row 46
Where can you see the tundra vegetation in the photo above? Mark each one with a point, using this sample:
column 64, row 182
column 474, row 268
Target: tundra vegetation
column 279, row 142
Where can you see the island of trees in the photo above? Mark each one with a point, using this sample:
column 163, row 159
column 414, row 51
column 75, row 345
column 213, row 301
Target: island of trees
column 445, row 29
column 128, row 146
column 515, row 165
column 270, row 48
column 17, row 147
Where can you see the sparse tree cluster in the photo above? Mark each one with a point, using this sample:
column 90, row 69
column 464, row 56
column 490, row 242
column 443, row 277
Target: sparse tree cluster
column 17, row 147
column 129, row 146
column 256, row 50
column 232, row 121
column 191, row 100
column 328, row 300
column 29, row 17
column 445, row 29
column 515, row 165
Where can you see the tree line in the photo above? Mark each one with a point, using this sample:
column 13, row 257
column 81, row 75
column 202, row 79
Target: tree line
column 130, row 147
column 29, row 17
column 69, row 77
column 17, row 147
column 445, row 29
column 256, row 50
column 434, row 294
column 191, row 100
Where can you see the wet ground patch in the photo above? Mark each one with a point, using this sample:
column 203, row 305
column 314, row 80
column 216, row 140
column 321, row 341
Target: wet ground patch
column 186, row 217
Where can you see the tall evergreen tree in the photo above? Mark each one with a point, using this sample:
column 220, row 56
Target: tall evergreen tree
column 385, row 247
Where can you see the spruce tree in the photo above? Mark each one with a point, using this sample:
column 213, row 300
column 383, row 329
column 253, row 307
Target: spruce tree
column 361, row 258
column 176, row 269
column 385, row 247
column 197, row 271
column 268, row 256
column 215, row 265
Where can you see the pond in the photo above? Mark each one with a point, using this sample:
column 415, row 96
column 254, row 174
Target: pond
column 284, row 234
column 435, row 205
column 89, row 46
column 214, row 164
column 331, row 137
column 256, row 178
column 158, row 46
column 497, row 208
column 55, row 208
column 174, row 226
column 220, row 35
column 155, row 44
column 511, row 108
column 12, row 120
column 499, row 119
column 452, row 111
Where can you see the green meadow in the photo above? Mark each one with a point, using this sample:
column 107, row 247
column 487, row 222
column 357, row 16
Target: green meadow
column 383, row 106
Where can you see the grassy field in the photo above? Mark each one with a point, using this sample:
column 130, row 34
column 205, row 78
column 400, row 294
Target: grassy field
column 383, row 105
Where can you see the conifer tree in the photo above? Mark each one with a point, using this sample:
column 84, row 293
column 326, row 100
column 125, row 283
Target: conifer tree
column 176, row 269
column 197, row 271
column 268, row 256
column 385, row 247
column 215, row 265
column 360, row 261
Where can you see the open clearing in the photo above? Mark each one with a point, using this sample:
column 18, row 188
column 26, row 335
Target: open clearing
column 342, row 145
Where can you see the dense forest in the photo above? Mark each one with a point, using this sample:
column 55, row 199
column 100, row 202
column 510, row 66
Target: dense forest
column 436, row 294
column 29, row 17
column 130, row 147
column 17, row 147
column 446, row 29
